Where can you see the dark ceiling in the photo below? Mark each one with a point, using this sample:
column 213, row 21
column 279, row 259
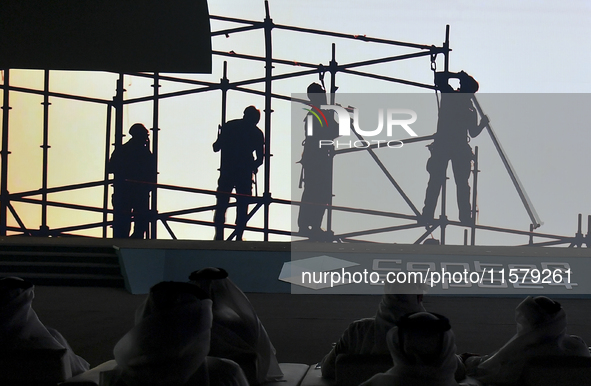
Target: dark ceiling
column 106, row 35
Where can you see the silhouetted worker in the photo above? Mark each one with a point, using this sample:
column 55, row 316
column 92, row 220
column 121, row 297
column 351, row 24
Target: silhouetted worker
column 134, row 168
column 316, row 165
column 238, row 140
column 457, row 119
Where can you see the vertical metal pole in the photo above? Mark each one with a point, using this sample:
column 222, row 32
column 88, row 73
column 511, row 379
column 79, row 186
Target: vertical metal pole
column 4, row 154
column 268, row 83
column 224, row 82
column 118, row 105
column 443, row 216
column 579, row 235
column 106, row 172
column 529, row 208
column 446, row 49
column 333, row 73
column 474, row 196
column 45, row 146
column 333, row 89
column 155, row 130
column 588, row 242
column 531, row 235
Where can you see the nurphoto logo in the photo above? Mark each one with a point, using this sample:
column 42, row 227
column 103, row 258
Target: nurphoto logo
column 394, row 118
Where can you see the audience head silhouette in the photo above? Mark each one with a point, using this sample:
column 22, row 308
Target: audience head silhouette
column 423, row 349
column 420, row 336
column 534, row 312
column 166, row 296
column 171, row 337
column 541, row 332
column 237, row 333
column 21, row 330
column 11, row 287
column 204, row 277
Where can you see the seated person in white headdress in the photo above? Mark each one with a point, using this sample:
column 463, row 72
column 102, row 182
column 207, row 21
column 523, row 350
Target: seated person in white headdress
column 21, row 329
column 236, row 332
column 168, row 345
column 423, row 349
column 368, row 336
column 541, row 331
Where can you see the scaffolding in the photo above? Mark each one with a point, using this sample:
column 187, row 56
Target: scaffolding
column 114, row 112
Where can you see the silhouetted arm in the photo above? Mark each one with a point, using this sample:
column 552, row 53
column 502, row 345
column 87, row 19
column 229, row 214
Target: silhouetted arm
column 259, row 151
column 475, row 131
column 217, row 145
column 113, row 164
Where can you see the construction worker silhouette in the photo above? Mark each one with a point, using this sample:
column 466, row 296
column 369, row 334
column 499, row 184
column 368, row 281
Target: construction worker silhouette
column 316, row 165
column 237, row 140
column 457, row 121
column 134, row 167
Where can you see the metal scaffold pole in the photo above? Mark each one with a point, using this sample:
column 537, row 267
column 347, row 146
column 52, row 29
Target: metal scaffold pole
column 268, row 23
column 4, row 152
column 118, row 105
column 443, row 215
column 45, row 146
column 155, row 133
column 446, row 50
column 224, row 87
column 332, row 68
column 531, row 212
column 474, row 197
column 106, row 171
